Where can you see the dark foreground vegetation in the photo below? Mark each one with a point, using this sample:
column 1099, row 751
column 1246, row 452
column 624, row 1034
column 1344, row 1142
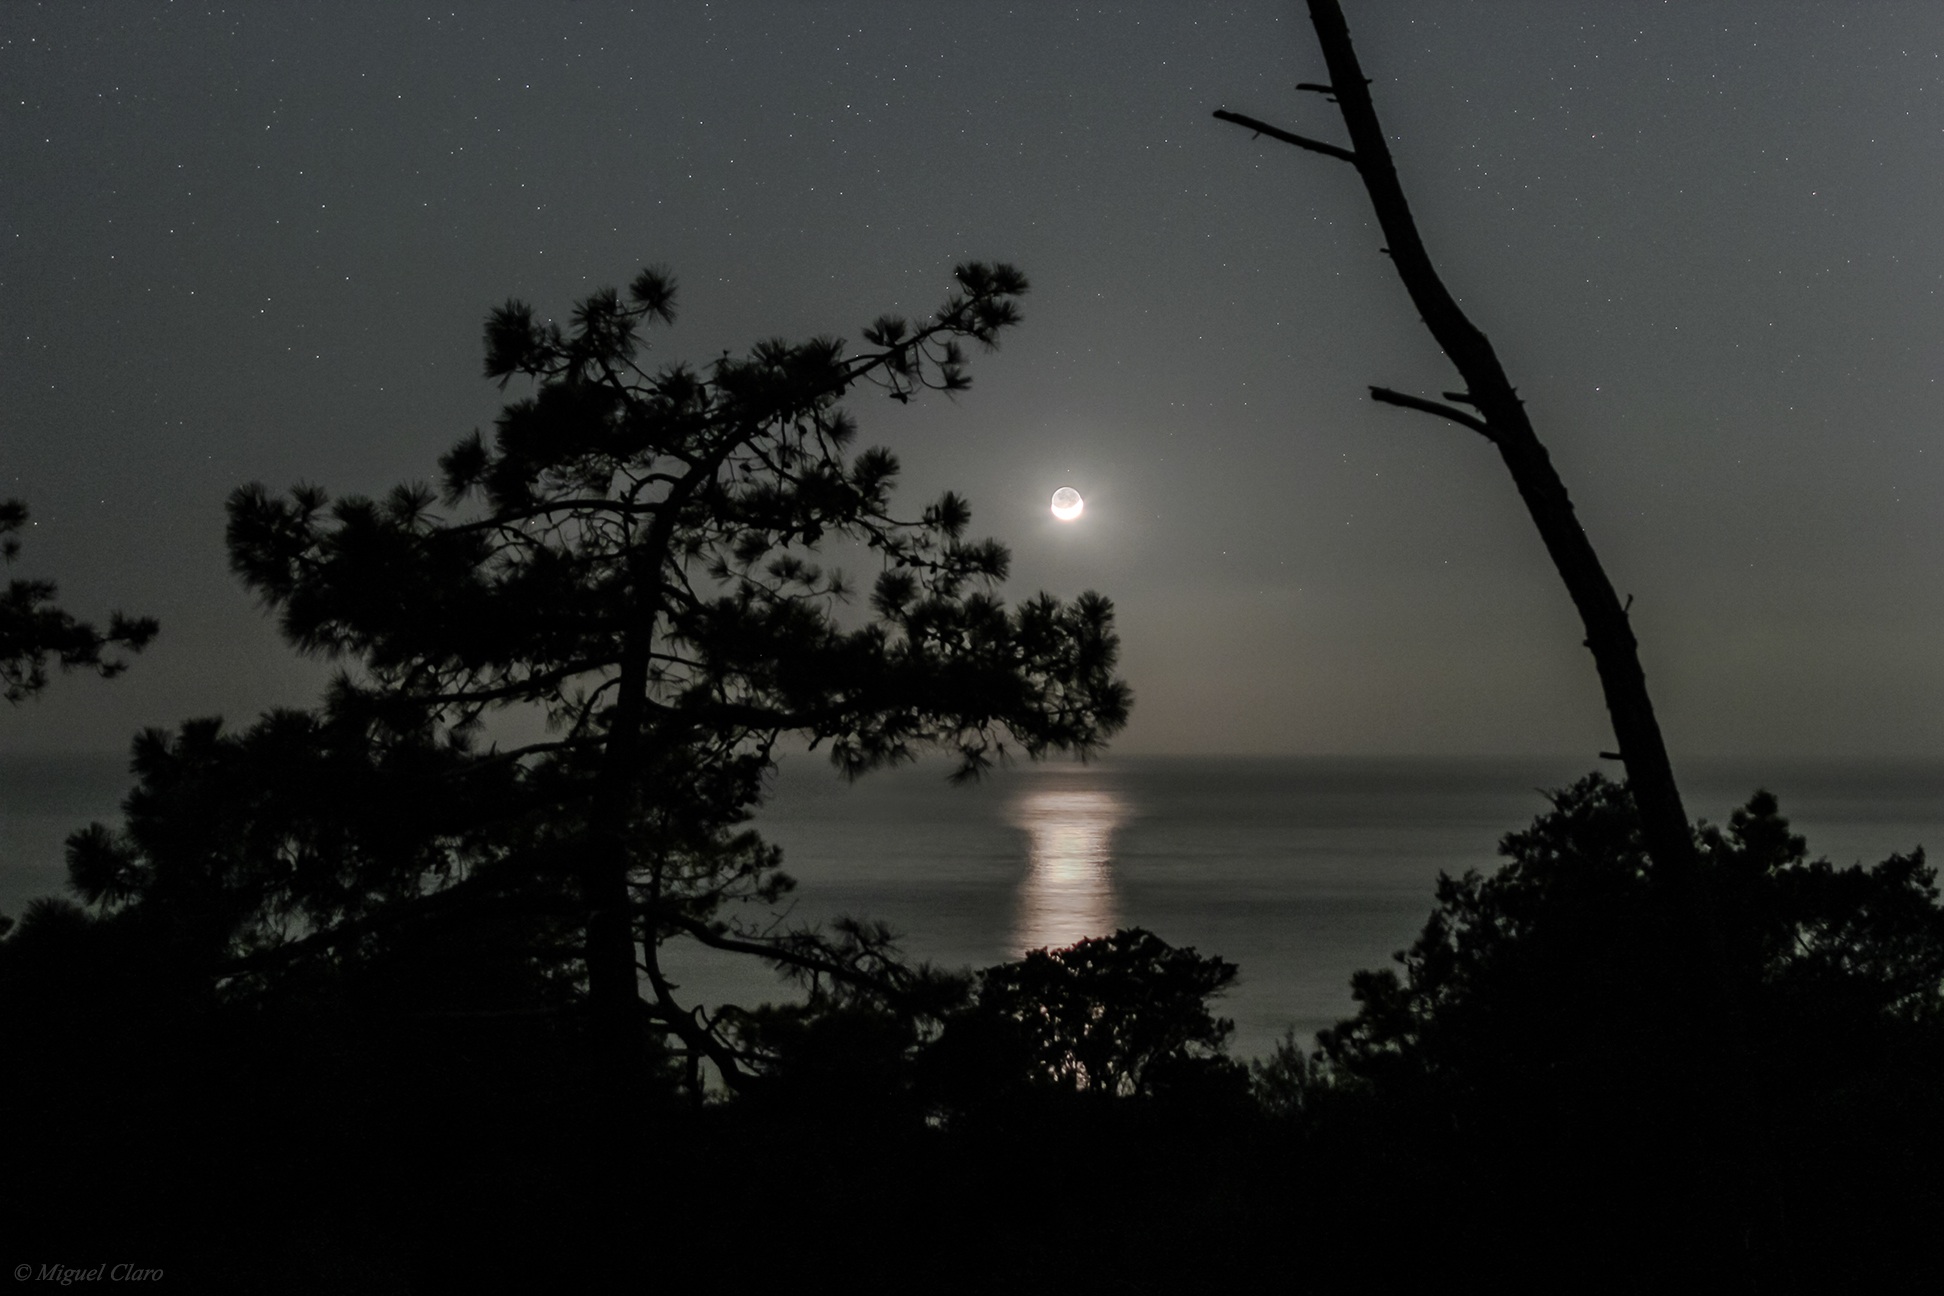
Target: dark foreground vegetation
column 1560, row 1088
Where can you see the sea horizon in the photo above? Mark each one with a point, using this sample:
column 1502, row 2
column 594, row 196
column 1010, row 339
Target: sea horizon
column 1300, row 869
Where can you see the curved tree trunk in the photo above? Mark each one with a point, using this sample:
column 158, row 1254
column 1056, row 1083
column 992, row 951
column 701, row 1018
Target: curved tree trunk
column 1490, row 406
column 1501, row 418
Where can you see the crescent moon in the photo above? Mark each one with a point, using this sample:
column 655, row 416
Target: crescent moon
column 1067, row 504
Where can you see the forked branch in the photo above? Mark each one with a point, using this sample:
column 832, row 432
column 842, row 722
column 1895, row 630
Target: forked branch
column 1386, row 396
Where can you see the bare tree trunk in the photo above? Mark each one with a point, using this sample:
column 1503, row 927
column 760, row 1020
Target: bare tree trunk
column 1501, row 418
column 1490, row 406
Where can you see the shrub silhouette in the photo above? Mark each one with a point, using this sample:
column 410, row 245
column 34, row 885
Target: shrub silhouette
column 1548, row 1063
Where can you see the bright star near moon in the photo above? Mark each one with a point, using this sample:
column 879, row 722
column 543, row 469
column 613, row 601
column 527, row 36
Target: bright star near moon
column 1067, row 504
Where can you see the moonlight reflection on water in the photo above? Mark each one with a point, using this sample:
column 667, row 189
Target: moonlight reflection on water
column 1068, row 893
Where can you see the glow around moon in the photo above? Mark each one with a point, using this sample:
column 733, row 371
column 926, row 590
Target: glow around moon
column 1067, row 504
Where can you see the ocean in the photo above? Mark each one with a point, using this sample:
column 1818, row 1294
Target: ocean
column 1300, row 870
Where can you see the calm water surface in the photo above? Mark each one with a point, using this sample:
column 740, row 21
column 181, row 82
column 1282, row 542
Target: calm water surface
column 1301, row 870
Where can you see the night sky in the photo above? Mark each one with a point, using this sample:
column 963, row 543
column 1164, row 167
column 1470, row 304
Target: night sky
column 1707, row 240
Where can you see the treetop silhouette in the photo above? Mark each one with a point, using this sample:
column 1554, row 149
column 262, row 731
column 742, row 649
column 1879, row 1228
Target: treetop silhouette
column 633, row 556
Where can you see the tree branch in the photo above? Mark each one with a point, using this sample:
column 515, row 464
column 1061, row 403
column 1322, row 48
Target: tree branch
column 1276, row 132
column 777, row 951
column 1386, row 396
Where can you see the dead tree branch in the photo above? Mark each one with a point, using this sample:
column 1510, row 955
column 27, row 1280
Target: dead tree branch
column 1385, row 396
column 1502, row 418
column 1276, row 132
